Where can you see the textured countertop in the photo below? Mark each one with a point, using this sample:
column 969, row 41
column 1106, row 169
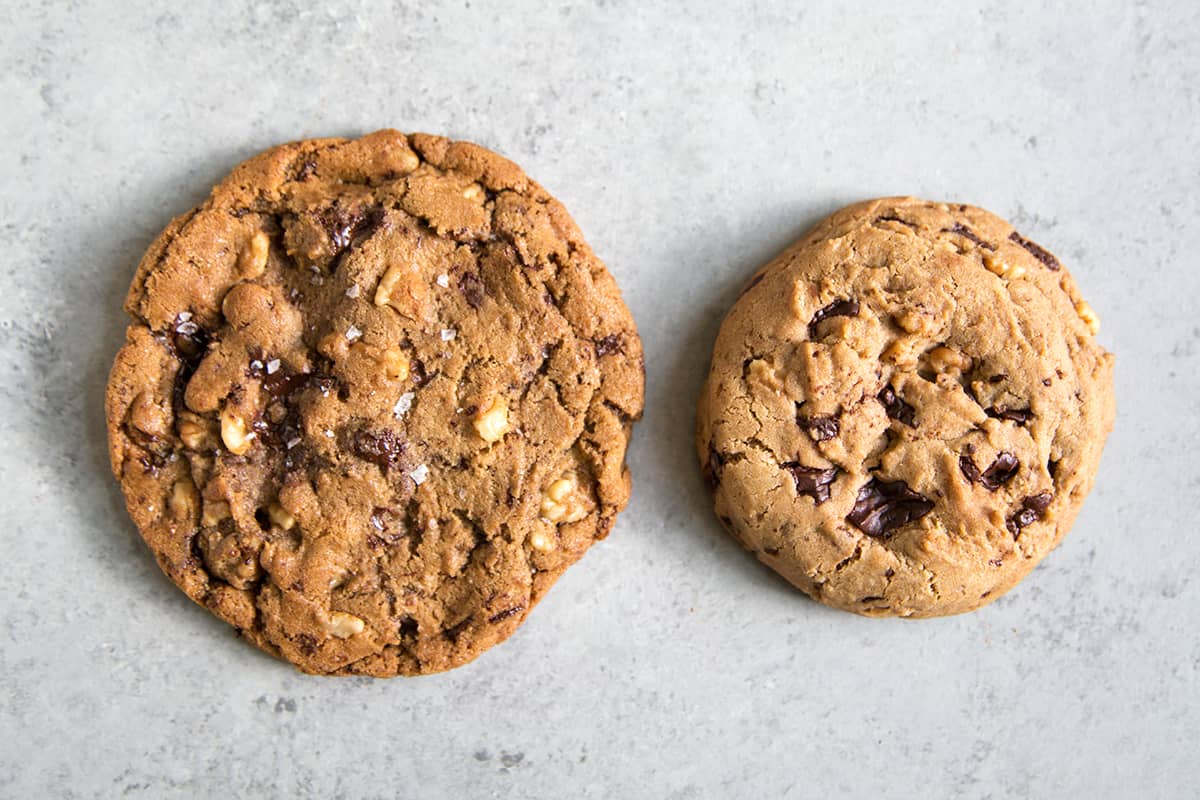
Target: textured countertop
column 690, row 146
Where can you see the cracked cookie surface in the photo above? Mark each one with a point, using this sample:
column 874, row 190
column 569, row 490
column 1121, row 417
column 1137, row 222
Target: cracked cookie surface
column 375, row 399
column 905, row 409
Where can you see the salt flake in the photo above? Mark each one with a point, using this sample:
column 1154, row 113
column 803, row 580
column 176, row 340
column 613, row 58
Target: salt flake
column 419, row 474
column 273, row 366
column 448, row 334
column 443, row 280
column 403, row 405
column 353, row 334
column 353, row 291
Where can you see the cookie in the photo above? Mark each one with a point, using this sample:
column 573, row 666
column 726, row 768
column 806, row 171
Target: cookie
column 906, row 409
column 374, row 400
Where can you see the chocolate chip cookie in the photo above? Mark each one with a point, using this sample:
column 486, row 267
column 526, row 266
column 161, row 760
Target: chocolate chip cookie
column 906, row 409
column 375, row 398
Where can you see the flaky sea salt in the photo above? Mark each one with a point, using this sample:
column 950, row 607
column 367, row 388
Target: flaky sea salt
column 448, row 334
column 419, row 474
column 273, row 366
column 353, row 291
column 295, row 440
column 403, row 405
column 443, row 281
column 353, row 334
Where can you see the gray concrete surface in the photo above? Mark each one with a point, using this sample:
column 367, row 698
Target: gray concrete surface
column 690, row 145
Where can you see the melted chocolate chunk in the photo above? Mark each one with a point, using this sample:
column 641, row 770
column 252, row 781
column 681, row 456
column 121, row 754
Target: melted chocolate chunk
column 344, row 227
column 896, row 408
column 506, row 613
column 964, row 231
column 454, row 631
column 969, row 470
column 1031, row 510
column 838, row 308
column 884, row 506
column 755, row 281
column 712, row 468
column 418, row 374
column 307, row 170
column 1017, row 415
column 189, row 340
column 820, row 428
column 472, row 289
column 812, row 481
column 383, row 448
column 1036, row 250
column 894, row 218
column 1002, row 470
column 609, row 344
column 997, row 378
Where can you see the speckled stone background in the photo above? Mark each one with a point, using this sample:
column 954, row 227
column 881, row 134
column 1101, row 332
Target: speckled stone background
column 691, row 145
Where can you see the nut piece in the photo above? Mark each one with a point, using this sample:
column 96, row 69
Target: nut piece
column 185, row 500
column 147, row 416
column 280, row 517
column 913, row 320
column 235, row 433
column 1089, row 316
column 214, row 512
column 560, row 503
column 343, row 625
column 252, row 261
column 542, row 541
column 491, row 423
column 902, row 352
column 402, row 289
column 395, row 363
column 998, row 266
column 193, row 433
column 943, row 359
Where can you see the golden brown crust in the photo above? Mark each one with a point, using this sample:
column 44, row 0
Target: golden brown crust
column 375, row 399
column 906, row 409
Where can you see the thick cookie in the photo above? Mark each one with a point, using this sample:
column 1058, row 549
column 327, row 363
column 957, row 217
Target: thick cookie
column 375, row 399
column 906, row 409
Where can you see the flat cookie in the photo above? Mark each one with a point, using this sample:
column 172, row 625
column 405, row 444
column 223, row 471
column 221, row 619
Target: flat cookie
column 906, row 409
column 375, row 399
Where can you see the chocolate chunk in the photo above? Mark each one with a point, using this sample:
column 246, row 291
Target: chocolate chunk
column 344, row 227
column 755, row 281
column 189, row 340
column 472, row 288
column 418, row 374
column 609, row 344
column 382, row 448
column 1017, row 415
column 896, row 408
column 997, row 378
column 307, row 170
column 838, row 308
column 712, row 468
column 1036, row 250
column 1031, row 510
column 1002, row 470
column 820, row 428
column 969, row 470
column 454, row 631
column 883, row 506
column 506, row 613
column 964, row 231
column 812, row 481
column 894, row 218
